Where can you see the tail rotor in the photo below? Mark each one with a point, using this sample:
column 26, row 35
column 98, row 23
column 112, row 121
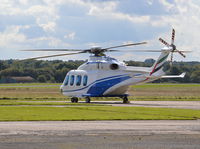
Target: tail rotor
column 172, row 46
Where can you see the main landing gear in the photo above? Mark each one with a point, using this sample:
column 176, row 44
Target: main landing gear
column 125, row 99
column 87, row 99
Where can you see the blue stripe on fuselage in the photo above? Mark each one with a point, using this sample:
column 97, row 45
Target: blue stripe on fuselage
column 99, row 88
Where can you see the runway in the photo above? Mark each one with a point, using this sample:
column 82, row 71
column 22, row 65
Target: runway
column 139, row 127
column 100, row 134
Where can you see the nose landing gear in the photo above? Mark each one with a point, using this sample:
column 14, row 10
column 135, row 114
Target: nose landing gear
column 74, row 99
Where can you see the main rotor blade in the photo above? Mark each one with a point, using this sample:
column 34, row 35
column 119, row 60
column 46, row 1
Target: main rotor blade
column 134, row 51
column 183, row 51
column 126, row 45
column 52, row 56
column 173, row 36
column 164, row 42
column 52, row 50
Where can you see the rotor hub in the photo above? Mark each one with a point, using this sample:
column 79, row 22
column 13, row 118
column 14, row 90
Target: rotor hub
column 96, row 51
column 173, row 47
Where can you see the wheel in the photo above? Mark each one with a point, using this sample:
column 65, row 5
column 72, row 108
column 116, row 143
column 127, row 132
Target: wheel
column 87, row 99
column 74, row 99
column 125, row 99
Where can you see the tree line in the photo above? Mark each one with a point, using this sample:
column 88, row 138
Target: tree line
column 55, row 71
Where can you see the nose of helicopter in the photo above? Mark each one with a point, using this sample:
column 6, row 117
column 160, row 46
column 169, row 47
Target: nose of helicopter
column 61, row 88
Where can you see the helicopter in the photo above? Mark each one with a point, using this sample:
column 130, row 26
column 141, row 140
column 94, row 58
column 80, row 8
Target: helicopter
column 104, row 76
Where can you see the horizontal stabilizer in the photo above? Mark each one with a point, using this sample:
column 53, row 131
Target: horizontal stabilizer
column 175, row 76
column 157, row 77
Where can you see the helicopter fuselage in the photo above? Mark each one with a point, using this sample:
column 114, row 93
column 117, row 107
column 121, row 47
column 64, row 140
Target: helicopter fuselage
column 100, row 76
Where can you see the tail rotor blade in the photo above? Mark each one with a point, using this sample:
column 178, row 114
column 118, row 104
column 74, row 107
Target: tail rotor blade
column 181, row 53
column 171, row 57
column 173, row 36
column 164, row 42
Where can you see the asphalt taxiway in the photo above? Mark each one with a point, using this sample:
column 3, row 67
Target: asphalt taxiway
column 100, row 134
column 159, row 104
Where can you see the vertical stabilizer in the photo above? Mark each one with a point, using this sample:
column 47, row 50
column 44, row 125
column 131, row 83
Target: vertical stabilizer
column 158, row 65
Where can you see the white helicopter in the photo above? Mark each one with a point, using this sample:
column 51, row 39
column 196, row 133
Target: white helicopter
column 103, row 76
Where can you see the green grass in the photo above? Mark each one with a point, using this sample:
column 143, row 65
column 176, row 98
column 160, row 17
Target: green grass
column 165, row 85
column 148, row 92
column 29, row 84
column 32, row 113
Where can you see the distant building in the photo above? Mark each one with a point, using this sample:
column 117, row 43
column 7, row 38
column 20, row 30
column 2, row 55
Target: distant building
column 23, row 79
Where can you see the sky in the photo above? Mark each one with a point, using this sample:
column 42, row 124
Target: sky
column 82, row 24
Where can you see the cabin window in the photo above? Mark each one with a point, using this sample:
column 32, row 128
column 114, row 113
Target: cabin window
column 66, row 80
column 85, row 79
column 72, row 80
column 78, row 80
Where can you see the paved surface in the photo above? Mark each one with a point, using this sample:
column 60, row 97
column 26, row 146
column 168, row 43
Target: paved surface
column 158, row 104
column 100, row 135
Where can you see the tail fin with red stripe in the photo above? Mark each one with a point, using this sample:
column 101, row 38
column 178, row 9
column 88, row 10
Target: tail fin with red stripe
column 158, row 65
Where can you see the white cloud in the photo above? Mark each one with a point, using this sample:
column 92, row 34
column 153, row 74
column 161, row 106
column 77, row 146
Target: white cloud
column 47, row 26
column 23, row 2
column 107, row 10
column 45, row 16
column 150, row 2
column 167, row 4
column 12, row 36
column 7, row 8
column 70, row 36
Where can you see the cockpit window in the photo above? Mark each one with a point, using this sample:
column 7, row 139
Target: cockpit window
column 66, row 80
column 78, row 80
column 72, row 80
column 85, row 79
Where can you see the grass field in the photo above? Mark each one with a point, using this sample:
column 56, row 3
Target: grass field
column 32, row 113
column 37, row 102
column 141, row 92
